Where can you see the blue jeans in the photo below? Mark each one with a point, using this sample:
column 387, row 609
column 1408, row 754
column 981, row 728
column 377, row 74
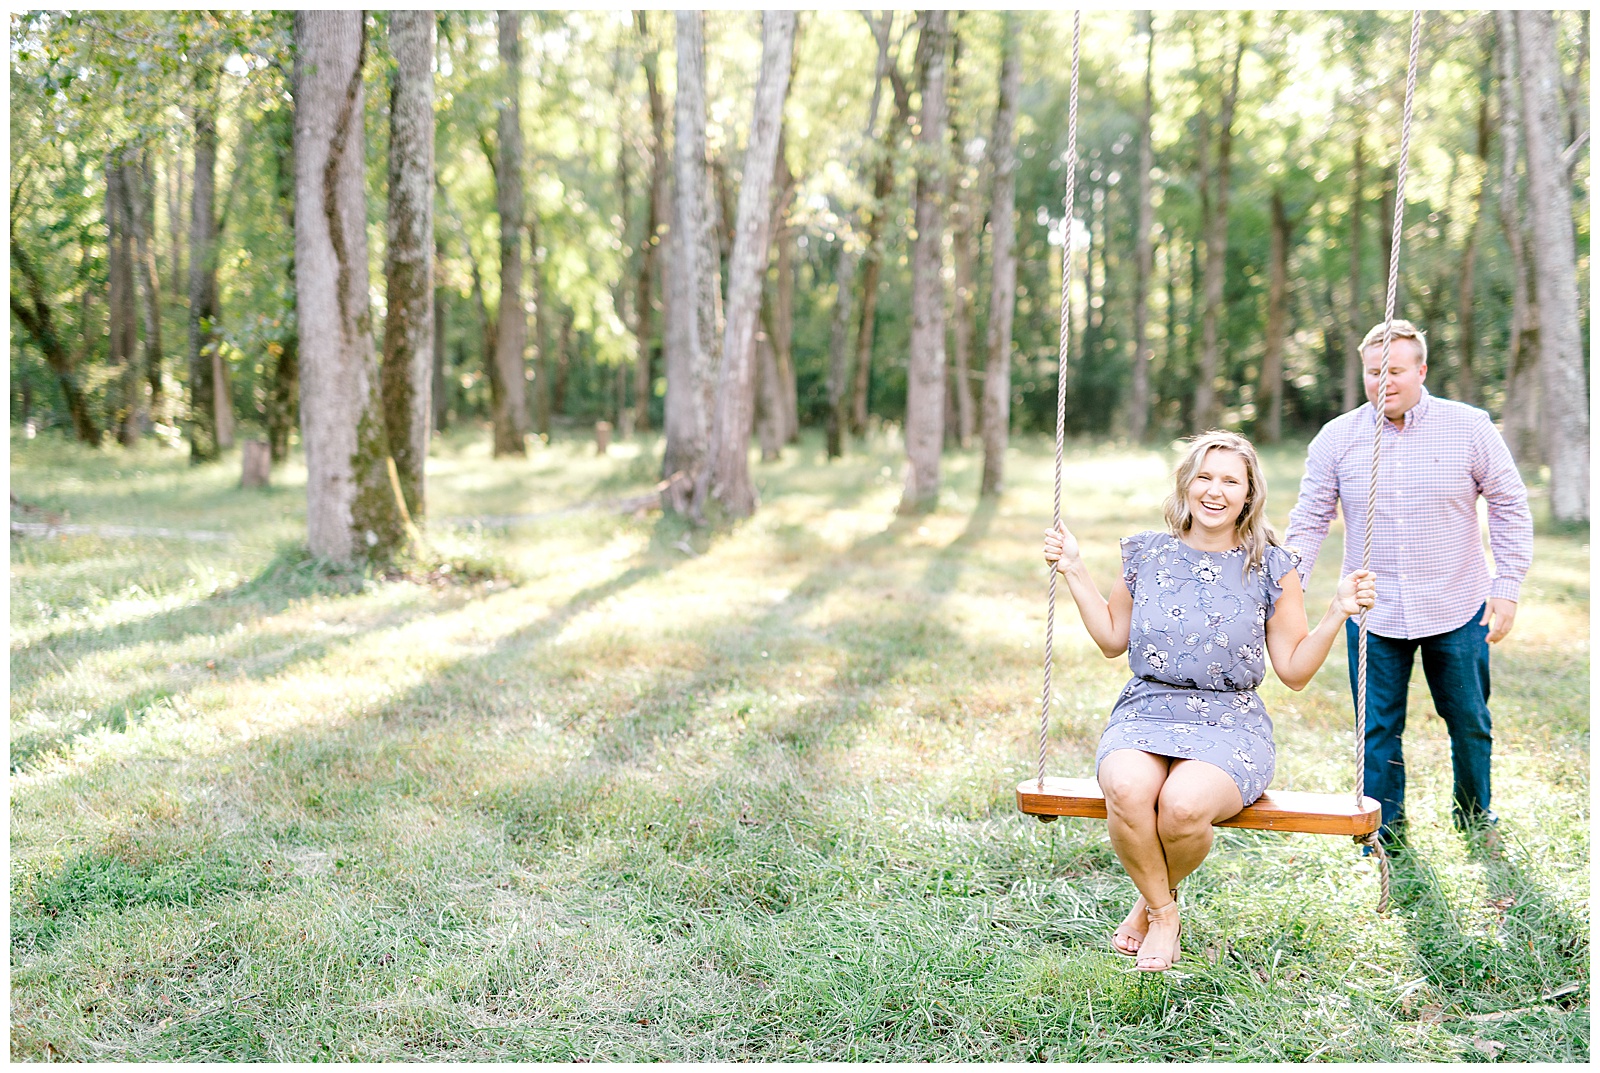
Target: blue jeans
column 1456, row 665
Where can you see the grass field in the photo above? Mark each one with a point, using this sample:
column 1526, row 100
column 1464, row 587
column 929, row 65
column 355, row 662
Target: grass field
column 663, row 793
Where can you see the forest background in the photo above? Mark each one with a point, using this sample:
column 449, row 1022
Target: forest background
column 1254, row 153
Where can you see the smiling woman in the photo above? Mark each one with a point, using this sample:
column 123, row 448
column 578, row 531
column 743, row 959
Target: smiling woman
column 1198, row 609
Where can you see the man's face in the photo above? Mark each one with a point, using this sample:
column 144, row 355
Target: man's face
column 1407, row 371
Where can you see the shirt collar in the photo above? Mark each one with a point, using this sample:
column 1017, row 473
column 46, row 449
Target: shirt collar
column 1413, row 416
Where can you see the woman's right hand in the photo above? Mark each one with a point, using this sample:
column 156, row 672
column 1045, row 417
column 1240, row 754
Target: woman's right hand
column 1060, row 547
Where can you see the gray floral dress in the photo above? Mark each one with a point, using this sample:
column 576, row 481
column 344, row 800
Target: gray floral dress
column 1197, row 649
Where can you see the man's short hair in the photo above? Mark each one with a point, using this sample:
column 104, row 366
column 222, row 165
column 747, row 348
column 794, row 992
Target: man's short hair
column 1402, row 329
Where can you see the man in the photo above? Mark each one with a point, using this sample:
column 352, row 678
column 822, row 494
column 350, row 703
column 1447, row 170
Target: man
column 1435, row 591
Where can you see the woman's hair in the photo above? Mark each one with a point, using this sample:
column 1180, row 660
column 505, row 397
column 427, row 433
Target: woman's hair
column 1252, row 528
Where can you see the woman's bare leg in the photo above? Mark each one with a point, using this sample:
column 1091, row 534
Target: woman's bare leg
column 1194, row 796
column 1131, row 781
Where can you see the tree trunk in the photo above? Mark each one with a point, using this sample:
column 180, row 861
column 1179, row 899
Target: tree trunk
column 1143, row 250
column 408, row 255
column 1566, row 388
column 849, row 260
column 122, row 299
column 1269, row 409
column 1003, row 273
column 37, row 318
column 203, row 338
column 222, row 387
column 142, row 217
column 1466, row 329
column 541, row 331
column 727, row 478
column 1205, row 397
column 925, row 371
column 1354, row 321
column 769, row 400
column 351, row 512
column 283, row 393
column 510, row 410
column 175, row 203
column 872, row 270
column 440, row 396
column 959, row 422
column 650, row 249
column 778, row 310
column 692, row 285
column 1520, row 415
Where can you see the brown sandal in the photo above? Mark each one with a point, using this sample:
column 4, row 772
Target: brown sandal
column 1161, row 964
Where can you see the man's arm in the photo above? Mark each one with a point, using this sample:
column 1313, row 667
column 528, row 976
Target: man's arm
column 1510, row 526
column 1315, row 508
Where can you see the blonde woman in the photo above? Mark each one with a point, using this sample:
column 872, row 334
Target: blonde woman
column 1198, row 608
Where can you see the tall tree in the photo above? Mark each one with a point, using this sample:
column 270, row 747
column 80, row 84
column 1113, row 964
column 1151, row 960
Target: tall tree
column 1566, row 387
column 408, row 254
column 1466, row 327
column 283, row 395
column 351, row 512
column 964, row 255
column 693, row 284
column 1143, row 248
column 510, row 407
column 649, row 252
column 849, row 258
column 925, row 373
column 1355, row 320
column 1270, row 393
column 204, row 338
column 1003, row 274
column 141, row 207
column 872, row 270
column 1521, row 409
column 727, row 478
column 1216, row 191
column 122, row 298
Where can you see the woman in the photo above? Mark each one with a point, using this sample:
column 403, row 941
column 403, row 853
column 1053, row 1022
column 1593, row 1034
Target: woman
column 1196, row 608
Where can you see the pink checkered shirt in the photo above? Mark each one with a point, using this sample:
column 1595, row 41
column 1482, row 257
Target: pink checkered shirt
column 1427, row 547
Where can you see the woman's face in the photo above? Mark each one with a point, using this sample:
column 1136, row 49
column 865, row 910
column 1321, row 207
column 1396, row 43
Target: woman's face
column 1217, row 493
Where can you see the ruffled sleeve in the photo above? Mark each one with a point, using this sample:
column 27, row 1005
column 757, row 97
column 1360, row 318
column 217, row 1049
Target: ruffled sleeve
column 1133, row 549
column 1275, row 563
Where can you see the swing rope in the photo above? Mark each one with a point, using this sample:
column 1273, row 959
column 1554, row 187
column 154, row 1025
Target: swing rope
column 1061, row 378
column 1372, row 840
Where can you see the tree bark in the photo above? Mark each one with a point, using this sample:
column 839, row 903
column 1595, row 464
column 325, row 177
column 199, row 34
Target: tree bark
column 122, row 299
column 925, row 371
column 1003, row 274
column 1466, row 329
column 960, row 422
column 769, row 400
column 510, row 409
column 872, row 270
column 1566, row 388
column 203, row 338
column 1143, row 251
column 175, row 203
column 351, row 512
column 1520, row 415
column 779, row 311
column 541, row 332
column 727, row 478
column 1269, row 409
column 142, row 216
column 1354, row 321
column 1205, row 397
column 692, row 344
column 650, row 249
column 408, row 255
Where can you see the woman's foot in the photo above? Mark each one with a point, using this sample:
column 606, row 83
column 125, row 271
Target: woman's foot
column 1130, row 933
column 1159, row 950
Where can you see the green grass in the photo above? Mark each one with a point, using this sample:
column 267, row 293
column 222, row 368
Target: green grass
column 664, row 793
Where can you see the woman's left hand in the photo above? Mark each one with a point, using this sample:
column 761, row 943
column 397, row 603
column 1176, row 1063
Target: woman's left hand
column 1357, row 590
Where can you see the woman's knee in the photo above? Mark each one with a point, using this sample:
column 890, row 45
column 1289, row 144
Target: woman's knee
column 1183, row 816
column 1129, row 784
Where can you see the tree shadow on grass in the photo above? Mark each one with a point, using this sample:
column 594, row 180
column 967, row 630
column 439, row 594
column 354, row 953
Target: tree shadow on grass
column 1521, row 948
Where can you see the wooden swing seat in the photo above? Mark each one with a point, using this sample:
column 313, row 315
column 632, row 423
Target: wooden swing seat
column 1276, row 810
